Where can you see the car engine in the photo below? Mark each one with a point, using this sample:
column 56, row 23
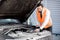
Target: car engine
column 24, row 33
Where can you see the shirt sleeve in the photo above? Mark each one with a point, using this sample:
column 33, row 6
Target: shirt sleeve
column 46, row 19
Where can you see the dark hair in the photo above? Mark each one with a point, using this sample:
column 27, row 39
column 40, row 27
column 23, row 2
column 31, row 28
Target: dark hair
column 40, row 5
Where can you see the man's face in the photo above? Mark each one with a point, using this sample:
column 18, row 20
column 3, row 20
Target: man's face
column 39, row 8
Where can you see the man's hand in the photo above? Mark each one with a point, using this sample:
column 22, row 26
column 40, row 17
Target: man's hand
column 37, row 30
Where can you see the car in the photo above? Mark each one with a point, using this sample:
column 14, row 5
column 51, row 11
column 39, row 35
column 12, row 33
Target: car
column 13, row 16
column 13, row 29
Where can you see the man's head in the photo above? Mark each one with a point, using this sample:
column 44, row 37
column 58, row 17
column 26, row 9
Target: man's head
column 39, row 8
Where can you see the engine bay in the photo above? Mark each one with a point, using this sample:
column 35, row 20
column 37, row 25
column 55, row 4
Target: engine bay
column 24, row 34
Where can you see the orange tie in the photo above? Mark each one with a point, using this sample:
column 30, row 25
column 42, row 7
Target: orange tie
column 39, row 14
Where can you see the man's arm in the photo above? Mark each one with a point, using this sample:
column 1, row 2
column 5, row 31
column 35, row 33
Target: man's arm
column 46, row 20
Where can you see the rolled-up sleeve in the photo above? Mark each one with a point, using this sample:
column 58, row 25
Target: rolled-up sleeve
column 46, row 19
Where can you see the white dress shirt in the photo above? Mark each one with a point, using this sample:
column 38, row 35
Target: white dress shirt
column 32, row 20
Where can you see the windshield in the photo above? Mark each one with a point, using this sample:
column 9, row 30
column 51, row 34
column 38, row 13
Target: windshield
column 9, row 21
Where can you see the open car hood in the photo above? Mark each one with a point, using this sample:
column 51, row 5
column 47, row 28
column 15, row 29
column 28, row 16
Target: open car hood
column 16, row 8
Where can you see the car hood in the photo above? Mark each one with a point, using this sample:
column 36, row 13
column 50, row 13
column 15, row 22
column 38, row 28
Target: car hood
column 16, row 8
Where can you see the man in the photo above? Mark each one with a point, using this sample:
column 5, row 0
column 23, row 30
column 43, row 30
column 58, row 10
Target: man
column 40, row 18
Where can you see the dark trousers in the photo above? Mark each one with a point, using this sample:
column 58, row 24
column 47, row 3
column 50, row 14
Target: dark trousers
column 49, row 29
